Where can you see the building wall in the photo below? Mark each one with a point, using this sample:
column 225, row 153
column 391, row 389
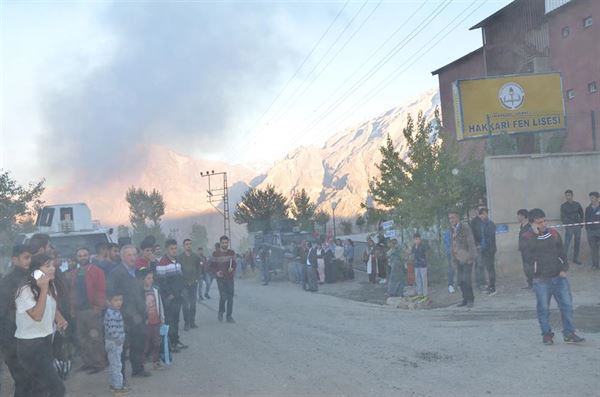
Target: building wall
column 577, row 57
column 529, row 181
column 471, row 67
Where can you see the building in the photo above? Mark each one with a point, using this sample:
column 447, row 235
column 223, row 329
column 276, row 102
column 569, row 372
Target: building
column 535, row 36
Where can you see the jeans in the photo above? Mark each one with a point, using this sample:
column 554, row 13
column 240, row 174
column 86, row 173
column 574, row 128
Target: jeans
column 226, row 295
column 114, row 350
column 421, row 280
column 594, row 242
column 90, row 336
column 35, row 356
column 189, row 303
column 172, row 310
column 134, row 343
column 20, row 377
column 488, row 263
column 545, row 289
column 299, row 272
column 208, row 279
column 570, row 233
column 451, row 272
column 479, row 272
column 312, row 283
column 264, row 271
column 465, row 272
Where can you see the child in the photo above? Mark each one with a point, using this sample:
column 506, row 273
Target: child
column 420, row 264
column 114, row 337
column 154, row 309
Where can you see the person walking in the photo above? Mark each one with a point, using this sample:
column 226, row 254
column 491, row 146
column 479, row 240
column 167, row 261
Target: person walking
column 190, row 268
column 571, row 213
column 88, row 300
column 524, row 232
column 122, row 281
column 487, row 249
column 592, row 228
column 223, row 266
column 550, row 268
column 114, row 338
column 36, row 317
column 9, row 285
column 464, row 255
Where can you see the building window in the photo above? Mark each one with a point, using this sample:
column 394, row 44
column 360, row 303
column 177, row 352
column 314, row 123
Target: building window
column 570, row 94
column 592, row 87
column 565, row 32
column 587, row 22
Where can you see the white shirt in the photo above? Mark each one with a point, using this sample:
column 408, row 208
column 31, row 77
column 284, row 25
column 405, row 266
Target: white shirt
column 28, row 328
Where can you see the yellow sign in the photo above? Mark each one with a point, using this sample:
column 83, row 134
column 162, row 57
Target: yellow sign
column 508, row 105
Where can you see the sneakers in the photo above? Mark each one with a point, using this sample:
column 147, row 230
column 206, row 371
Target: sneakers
column 547, row 339
column 470, row 305
column 157, row 365
column 120, row 392
column 451, row 289
column 142, row 374
column 573, row 338
column 220, row 317
column 492, row 292
column 230, row 320
column 462, row 304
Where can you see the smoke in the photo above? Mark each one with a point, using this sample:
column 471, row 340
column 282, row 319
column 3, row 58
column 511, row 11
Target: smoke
column 182, row 75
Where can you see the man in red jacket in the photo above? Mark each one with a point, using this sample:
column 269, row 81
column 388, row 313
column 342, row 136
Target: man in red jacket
column 88, row 300
column 223, row 265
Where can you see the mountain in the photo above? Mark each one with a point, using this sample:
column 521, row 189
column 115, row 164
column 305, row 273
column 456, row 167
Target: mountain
column 340, row 170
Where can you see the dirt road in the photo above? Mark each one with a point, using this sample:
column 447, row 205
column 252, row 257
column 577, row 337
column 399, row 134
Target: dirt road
column 291, row 343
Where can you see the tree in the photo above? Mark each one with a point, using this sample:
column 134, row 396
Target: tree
column 346, row 227
column 144, row 208
column 18, row 204
column 122, row 231
column 261, row 209
column 199, row 236
column 303, row 210
column 360, row 222
column 321, row 218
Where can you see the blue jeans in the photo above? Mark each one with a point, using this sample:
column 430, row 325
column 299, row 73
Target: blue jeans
column 545, row 289
column 264, row 270
column 450, row 272
column 573, row 232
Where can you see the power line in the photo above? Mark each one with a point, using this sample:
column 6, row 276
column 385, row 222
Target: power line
column 299, row 67
column 422, row 51
column 367, row 76
column 295, row 97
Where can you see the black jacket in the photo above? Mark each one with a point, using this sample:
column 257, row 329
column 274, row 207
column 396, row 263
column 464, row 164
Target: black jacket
column 571, row 212
column 592, row 215
column 546, row 253
column 8, row 289
column 485, row 230
column 134, row 300
column 525, row 233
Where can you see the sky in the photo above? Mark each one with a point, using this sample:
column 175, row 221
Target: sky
column 83, row 83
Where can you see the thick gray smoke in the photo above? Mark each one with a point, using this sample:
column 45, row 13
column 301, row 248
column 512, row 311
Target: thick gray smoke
column 181, row 73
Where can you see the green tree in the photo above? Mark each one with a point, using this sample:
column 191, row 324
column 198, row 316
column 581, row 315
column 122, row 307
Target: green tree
column 321, row 219
column 303, row 210
column 18, row 205
column 360, row 222
column 346, row 227
column 260, row 209
column 145, row 212
column 199, row 236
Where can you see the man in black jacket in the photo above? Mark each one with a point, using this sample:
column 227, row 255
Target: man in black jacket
column 592, row 228
column 550, row 267
column 484, row 232
column 524, row 232
column 21, row 259
column 571, row 213
column 122, row 281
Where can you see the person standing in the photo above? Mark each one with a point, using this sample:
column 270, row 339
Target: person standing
column 114, row 338
column 370, row 260
column 311, row 282
column 88, row 300
column 190, row 268
column 448, row 252
column 419, row 254
column 147, row 259
column 397, row 277
column 36, row 317
column 170, row 282
column 123, row 282
column 263, row 264
column 487, row 249
column 571, row 213
column 223, row 266
column 524, row 232
column 464, row 255
column 592, row 228
column 550, row 268
column 349, row 258
column 20, row 260
column 320, row 251
column 155, row 315
column 203, row 266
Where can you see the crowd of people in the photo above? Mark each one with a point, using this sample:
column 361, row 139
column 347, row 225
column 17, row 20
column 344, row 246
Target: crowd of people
column 122, row 304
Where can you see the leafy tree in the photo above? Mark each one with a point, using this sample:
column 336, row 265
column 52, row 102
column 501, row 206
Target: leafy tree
column 199, row 236
column 260, row 209
column 346, row 227
column 321, row 218
column 303, row 210
column 122, row 231
column 18, row 204
column 145, row 212
column 360, row 222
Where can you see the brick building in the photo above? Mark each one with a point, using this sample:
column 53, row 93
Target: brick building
column 535, row 36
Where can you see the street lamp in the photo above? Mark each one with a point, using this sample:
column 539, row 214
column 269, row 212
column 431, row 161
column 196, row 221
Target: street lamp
column 333, row 205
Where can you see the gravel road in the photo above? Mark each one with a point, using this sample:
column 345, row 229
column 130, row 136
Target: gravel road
column 291, row 343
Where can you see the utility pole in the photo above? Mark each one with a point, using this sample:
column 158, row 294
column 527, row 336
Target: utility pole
column 219, row 194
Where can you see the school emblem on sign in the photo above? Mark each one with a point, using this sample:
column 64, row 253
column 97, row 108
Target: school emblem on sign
column 511, row 96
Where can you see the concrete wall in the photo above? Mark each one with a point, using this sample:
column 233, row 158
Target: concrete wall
column 529, row 181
